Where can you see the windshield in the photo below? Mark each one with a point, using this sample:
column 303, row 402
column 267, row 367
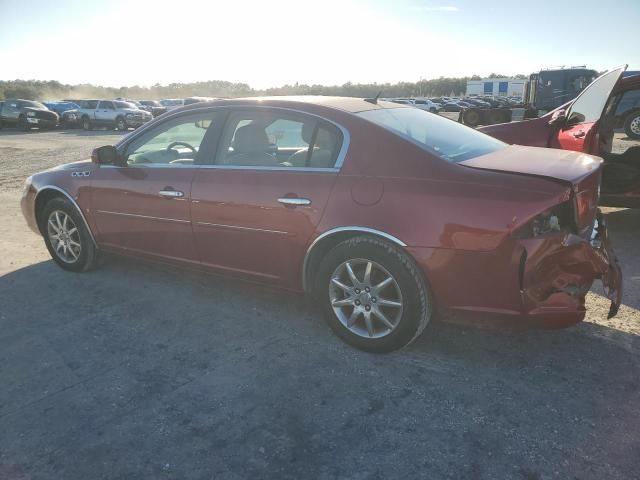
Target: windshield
column 440, row 136
column 27, row 103
column 125, row 105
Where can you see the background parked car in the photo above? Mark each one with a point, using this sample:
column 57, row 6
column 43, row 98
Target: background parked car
column 111, row 114
column 452, row 107
column 171, row 103
column 61, row 107
column 191, row 100
column 152, row 106
column 426, row 104
column 26, row 114
column 627, row 113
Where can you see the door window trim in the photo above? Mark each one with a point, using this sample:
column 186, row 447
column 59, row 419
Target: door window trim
column 226, row 110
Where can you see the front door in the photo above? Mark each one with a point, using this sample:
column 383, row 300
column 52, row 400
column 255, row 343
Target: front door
column 144, row 207
column 255, row 209
column 106, row 112
column 585, row 112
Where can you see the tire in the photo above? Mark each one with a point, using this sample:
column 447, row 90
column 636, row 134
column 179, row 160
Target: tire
column 433, row 110
column 22, row 123
column 69, row 257
column 86, row 123
column 121, row 124
column 344, row 303
column 471, row 117
column 632, row 125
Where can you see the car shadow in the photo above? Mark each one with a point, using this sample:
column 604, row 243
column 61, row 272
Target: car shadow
column 131, row 345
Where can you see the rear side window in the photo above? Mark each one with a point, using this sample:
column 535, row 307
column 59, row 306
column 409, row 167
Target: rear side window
column 106, row 105
column 278, row 139
column 439, row 136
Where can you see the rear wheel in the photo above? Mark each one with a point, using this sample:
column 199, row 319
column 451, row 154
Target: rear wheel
column 66, row 236
column 374, row 295
column 632, row 125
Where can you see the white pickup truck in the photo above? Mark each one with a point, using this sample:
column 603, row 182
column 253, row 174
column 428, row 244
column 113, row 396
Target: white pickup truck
column 109, row 113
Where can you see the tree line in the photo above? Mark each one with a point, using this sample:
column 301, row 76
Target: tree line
column 54, row 90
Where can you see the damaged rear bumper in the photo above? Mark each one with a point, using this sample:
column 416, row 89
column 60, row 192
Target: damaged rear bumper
column 558, row 271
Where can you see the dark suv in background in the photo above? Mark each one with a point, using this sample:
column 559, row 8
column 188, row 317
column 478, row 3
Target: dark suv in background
column 26, row 114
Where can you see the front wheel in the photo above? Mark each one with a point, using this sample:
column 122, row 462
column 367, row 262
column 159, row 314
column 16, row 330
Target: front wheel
column 23, row 124
column 375, row 297
column 632, row 125
column 66, row 236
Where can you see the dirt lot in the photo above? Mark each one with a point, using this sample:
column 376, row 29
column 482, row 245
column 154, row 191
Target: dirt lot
column 137, row 371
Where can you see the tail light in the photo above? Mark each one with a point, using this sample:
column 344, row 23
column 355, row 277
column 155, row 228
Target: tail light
column 560, row 218
column 586, row 205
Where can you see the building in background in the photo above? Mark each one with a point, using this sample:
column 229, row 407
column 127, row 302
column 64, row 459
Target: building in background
column 502, row 87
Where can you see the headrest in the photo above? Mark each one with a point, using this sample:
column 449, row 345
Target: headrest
column 250, row 139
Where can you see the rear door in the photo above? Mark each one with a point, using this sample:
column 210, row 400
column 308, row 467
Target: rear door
column 255, row 209
column 585, row 112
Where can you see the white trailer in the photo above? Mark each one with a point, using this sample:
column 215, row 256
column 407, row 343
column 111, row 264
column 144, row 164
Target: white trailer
column 496, row 87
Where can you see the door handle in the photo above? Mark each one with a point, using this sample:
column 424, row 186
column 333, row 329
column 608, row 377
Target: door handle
column 579, row 134
column 294, row 201
column 171, row 194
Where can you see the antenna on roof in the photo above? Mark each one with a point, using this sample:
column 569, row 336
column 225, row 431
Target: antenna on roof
column 375, row 99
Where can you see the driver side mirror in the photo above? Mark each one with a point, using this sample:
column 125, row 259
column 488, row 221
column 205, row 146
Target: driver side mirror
column 106, row 155
column 559, row 118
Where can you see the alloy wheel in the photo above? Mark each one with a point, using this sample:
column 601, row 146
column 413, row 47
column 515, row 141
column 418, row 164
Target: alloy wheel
column 64, row 236
column 365, row 298
column 635, row 125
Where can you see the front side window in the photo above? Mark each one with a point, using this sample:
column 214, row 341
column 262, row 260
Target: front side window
column 278, row 139
column 173, row 143
column 437, row 135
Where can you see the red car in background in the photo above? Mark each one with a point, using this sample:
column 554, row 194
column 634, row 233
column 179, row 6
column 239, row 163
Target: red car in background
column 587, row 124
column 384, row 213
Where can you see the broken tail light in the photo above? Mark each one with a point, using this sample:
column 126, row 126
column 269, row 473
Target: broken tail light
column 560, row 218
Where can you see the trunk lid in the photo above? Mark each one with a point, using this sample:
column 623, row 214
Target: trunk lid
column 580, row 171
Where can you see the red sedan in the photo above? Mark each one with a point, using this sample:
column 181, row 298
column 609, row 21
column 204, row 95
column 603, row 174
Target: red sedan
column 384, row 213
column 588, row 124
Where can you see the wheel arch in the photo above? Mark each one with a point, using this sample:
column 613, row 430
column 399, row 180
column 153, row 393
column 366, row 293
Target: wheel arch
column 329, row 239
column 48, row 193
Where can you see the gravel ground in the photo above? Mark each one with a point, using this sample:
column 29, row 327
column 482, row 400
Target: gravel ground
column 145, row 372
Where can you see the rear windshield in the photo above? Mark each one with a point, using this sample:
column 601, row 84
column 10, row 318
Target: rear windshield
column 440, row 136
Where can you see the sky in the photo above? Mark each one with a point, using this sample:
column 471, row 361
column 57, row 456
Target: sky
column 268, row 43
